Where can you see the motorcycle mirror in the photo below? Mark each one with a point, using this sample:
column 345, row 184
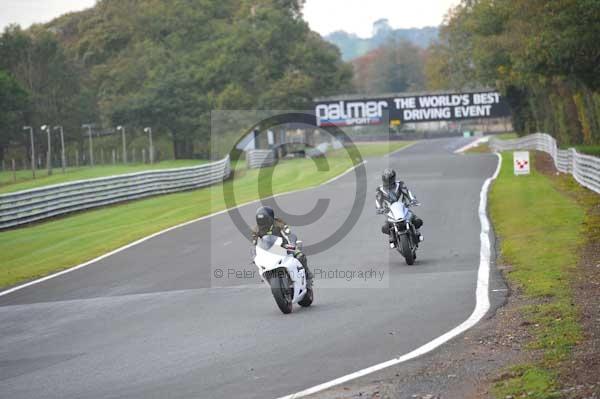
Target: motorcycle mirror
column 299, row 245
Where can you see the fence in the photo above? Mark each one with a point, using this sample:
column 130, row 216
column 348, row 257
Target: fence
column 584, row 168
column 32, row 205
column 260, row 158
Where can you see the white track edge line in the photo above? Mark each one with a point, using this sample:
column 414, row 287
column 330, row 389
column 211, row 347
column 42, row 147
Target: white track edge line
column 481, row 307
column 404, row 148
column 472, row 144
column 141, row 240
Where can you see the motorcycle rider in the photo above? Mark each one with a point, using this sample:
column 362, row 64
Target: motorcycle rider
column 393, row 190
column 268, row 224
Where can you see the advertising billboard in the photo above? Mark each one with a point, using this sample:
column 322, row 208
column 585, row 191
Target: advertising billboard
column 411, row 108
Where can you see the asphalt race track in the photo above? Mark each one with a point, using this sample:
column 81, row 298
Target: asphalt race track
column 153, row 321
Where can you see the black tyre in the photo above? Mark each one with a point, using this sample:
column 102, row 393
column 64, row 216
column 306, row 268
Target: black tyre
column 407, row 251
column 308, row 299
column 280, row 287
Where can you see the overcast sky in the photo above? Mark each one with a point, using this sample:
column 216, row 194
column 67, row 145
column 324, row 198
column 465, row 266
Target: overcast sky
column 324, row 16
column 357, row 16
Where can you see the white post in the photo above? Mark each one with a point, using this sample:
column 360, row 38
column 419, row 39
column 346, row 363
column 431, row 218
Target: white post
column 122, row 129
column 49, row 152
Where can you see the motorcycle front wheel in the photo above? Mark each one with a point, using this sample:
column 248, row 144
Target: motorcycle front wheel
column 406, row 249
column 308, row 299
column 280, row 287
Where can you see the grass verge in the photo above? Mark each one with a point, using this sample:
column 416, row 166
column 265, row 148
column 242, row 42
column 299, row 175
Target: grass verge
column 25, row 180
column 44, row 248
column 541, row 230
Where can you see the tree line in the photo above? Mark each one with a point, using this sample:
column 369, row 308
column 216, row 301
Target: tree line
column 396, row 66
column 167, row 64
column 162, row 63
column 544, row 55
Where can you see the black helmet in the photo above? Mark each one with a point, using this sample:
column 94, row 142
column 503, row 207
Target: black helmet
column 265, row 217
column 388, row 177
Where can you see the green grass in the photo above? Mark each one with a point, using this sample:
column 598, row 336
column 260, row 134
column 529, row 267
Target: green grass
column 25, row 179
column 588, row 149
column 378, row 148
column 40, row 249
column 536, row 382
column 540, row 230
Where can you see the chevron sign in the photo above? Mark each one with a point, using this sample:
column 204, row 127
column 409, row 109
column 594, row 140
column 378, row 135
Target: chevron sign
column 521, row 162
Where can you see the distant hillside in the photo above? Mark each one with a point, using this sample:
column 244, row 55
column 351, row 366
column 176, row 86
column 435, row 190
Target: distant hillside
column 353, row 46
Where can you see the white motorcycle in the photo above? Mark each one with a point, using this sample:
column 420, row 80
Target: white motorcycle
column 284, row 273
column 405, row 233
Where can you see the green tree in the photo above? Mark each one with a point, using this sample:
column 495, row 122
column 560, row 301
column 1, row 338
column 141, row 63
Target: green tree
column 544, row 55
column 397, row 66
column 37, row 61
column 168, row 63
column 13, row 104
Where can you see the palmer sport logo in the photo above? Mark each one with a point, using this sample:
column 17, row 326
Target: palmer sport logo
column 351, row 113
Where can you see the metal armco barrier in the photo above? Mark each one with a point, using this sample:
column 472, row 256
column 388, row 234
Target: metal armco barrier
column 32, row 205
column 584, row 168
column 260, row 158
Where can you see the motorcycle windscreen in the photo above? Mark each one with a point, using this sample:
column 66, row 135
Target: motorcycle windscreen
column 269, row 251
column 267, row 242
column 398, row 210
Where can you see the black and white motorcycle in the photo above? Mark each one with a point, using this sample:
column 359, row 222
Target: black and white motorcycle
column 405, row 235
column 281, row 271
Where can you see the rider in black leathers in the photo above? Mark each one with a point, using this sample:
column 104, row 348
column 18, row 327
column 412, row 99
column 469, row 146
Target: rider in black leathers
column 393, row 190
column 267, row 223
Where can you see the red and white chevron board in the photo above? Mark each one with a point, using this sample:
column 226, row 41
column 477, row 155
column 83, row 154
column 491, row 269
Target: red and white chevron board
column 521, row 162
